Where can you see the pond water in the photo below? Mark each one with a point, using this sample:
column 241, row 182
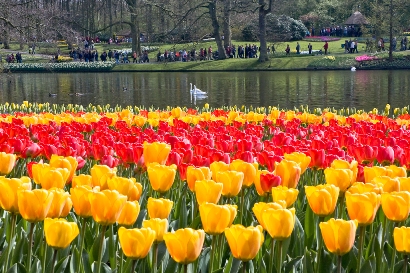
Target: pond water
column 360, row 89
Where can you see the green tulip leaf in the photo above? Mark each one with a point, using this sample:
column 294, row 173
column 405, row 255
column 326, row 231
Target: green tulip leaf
column 369, row 265
column 17, row 268
column 307, row 262
column 309, row 227
column 74, row 259
column 171, row 266
column 293, row 264
column 35, row 265
column 61, row 265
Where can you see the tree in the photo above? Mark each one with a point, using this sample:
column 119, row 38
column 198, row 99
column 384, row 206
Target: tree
column 263, row 55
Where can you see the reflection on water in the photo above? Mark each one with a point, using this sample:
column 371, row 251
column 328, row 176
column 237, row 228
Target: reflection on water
column 361, row 89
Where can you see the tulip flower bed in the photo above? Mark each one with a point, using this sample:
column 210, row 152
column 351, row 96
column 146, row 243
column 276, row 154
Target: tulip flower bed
column 98, row 189
column 61, row 66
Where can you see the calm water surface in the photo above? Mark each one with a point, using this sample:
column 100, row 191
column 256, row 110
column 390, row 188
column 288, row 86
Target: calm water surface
column 361, row 89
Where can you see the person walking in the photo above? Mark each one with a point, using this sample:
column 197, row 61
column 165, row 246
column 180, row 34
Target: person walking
column 325, row 47
column 310, row 49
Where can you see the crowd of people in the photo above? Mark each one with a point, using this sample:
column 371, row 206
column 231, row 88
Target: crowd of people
column 337, row 31
column 11, row 58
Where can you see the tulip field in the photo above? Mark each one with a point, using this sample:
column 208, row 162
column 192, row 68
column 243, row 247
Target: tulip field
column 109, row 189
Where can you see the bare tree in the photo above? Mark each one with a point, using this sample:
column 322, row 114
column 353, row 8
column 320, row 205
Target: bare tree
column 263, row 11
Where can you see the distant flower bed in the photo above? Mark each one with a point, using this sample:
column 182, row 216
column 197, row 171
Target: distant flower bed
column 330, row 58
column 365, row 58
column 60, row 67
column 321, row 39
column 63, row 59
column 143, row 48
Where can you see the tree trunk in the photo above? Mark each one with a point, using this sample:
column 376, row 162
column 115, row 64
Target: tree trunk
column 135, row 34
column 109, row 3
column 391, row 31
column 215, row 25
column 227, row 23
column 263, row 54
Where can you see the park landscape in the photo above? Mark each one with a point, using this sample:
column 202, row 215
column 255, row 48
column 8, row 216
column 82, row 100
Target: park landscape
column 127, row 188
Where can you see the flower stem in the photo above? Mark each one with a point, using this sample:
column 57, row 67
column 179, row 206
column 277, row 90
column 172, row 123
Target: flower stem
column 339, row 264
column 341, row 207
column 54, row 260
column 361, row 241
column 101, row 248
column 9, row 246
column 44, row 257
column 185, row 268
column 30, row 247
column 134, row 262
column 405, row 258
column 83, row 227
column 320, row 245
column 155, row 256
column 243, row 267
column 241, row 205
column 279, row 267
column 212, row 260
column 272, row 256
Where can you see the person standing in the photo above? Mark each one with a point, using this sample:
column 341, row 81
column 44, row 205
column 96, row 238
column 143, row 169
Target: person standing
column 134, row 57
column 297, row 48
column 325, row 47
column 287, row 50
column 310, row 49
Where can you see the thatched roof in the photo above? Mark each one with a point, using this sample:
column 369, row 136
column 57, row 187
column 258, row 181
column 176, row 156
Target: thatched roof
column 356, row 19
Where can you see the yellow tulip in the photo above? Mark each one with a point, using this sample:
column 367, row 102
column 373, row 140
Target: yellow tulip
column 100, row 175
column 286, row 218
column 34, row 205
column 129, row 213
column 61, row 205
column 80, row 196
column 50, row 177
column 185, row 245
column 341, row 178
column 7, row 162
column 404, row 183
column 260, row 207
column 232, row 182
column 159, row 208
column 126, row 186
column 343, row 164
column 389, row 184
column 360, row 187
column 9, row 188
column 156, row 152
column 396, row 205
column 362, row 207
column 215, row 218
column 338, row 235
column 371, row 172
column 106, row 206
column 402, row 239
column 69, row 162
column 208, row 191
column 289, row 172
column 161, row 177
column 197, row 174
column 248, row 169
column 322, row 198
column 300, row 158
column 397, row 171
column 82, row 180
column 59, row 233
column 244, row 242
column 218, row 166
column 288, row 195
column 136, row 243
column 160, row 226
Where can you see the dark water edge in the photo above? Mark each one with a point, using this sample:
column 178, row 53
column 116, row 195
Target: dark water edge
column 287, row 89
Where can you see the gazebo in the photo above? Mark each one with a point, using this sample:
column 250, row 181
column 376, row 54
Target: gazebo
column 356, row 19
column 355, row 23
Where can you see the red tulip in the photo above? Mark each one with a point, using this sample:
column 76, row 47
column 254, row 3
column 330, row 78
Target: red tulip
column 269, row 180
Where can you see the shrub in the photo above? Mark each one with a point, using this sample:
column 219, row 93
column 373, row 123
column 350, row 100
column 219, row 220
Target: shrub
column 278, row 28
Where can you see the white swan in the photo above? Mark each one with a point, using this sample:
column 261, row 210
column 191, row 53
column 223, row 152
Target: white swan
column 198, row 91
column 353, row 68
column 191, row 90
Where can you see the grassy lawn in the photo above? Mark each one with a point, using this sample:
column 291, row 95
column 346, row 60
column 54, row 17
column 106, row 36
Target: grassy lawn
column 277, row 61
